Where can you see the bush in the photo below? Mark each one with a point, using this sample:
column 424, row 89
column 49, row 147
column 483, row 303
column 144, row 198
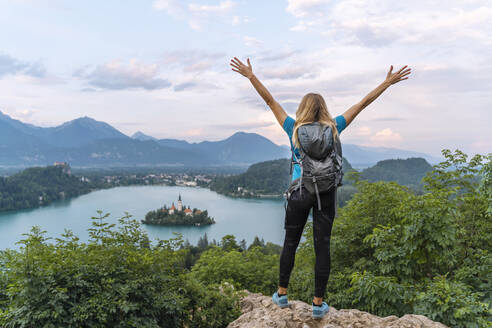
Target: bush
column 393, row 252
column 378, row 294
column 391, row 247
column 117, row 279
column 251, row 269
column 454, row 303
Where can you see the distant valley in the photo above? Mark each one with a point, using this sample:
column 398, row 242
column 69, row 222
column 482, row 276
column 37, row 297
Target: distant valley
column 85, row 142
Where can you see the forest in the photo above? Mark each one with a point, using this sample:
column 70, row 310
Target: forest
column 270, row 177
column 394, row 251
column 273, row 177
column 38, row 186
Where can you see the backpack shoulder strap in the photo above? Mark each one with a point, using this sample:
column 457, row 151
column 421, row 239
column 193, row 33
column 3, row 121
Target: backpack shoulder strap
column 338, row 145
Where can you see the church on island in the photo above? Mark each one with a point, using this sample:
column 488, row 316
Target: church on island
column 174, row 209
column 178, row 215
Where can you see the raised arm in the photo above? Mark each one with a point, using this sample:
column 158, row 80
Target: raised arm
column 391, row 78
column 247, row 71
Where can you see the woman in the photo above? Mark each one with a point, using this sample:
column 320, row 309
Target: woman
column 311, row 109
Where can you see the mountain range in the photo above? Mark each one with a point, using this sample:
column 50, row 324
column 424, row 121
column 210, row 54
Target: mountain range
column 87, row 142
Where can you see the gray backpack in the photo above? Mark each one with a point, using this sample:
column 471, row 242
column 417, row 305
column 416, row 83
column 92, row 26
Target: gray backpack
column 320, row 160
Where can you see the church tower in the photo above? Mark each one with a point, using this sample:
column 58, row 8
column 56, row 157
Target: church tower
column 180, row 204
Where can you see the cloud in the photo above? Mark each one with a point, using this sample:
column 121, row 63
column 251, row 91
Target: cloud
column 222, row 7
column 374, row 37
column 386, row 136
column 290, row 106
column 252, row 42
column 20, row 114
column 36, row 70
column 303, row 8
column 481, row 146
column 192, row 60
column 253, row 101
column 173, row 7
column 301, row 26
column 12, row 66
column 288, row 72
column 242, row 126
column 193, row 132
column 276, row 56
column 184, row 86
column 9, row 65
column 199, row 15
column 88, row 90
column 117, row 76
column 129, row 123
column 363, row 131
column 380, row 23
column 340, row 85
column 457, row 79
column 387, row 119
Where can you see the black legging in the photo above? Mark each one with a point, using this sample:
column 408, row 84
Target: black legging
column 296, row 216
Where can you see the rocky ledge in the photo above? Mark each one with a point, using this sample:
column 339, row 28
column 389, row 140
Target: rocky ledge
column 258, row 311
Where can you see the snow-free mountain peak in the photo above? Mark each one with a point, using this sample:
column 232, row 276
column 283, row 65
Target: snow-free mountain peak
column 139, row 135
column 86, row 141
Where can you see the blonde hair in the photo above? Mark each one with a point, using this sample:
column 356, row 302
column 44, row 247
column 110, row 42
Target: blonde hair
column 312, row 109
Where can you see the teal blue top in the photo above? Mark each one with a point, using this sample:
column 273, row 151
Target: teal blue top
column 289, row 128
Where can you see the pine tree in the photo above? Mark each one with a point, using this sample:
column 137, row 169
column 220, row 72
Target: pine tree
column 203, row 242
column 243, row 245
column 257, row 242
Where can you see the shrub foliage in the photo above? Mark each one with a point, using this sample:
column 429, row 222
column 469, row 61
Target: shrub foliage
column 393, row 252
column 117, row 279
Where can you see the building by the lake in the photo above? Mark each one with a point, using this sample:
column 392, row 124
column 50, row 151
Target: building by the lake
column 173, row 209
column 65, row 167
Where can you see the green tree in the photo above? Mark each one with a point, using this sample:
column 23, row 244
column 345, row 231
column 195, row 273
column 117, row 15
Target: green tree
column 251, row 269
column 116, row 279
column 229, row 243
column 395, row 252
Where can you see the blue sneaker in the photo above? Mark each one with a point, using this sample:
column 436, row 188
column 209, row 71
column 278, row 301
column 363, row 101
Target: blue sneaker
column 280, row 300
column 320, row 311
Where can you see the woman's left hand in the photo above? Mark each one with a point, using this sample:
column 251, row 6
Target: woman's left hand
column 238, row 66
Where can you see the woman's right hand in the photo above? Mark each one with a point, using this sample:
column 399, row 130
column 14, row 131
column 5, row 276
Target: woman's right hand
column 398, row 76
column 238, row 66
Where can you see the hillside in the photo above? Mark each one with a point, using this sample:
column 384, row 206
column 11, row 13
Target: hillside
column 39, row 186
column 117, row 152
column 406, row 172
column 272, row 177
column 364, row 156
column 264, row 178
column 269, row 178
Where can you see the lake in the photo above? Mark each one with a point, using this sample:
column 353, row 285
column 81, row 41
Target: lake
column 244, row 218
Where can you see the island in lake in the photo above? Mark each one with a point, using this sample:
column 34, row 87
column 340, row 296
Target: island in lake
column 180, row 215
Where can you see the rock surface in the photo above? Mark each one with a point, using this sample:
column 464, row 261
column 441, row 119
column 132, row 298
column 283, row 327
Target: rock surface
column 258, row 311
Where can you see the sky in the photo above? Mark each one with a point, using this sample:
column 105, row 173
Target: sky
column 162, row 66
